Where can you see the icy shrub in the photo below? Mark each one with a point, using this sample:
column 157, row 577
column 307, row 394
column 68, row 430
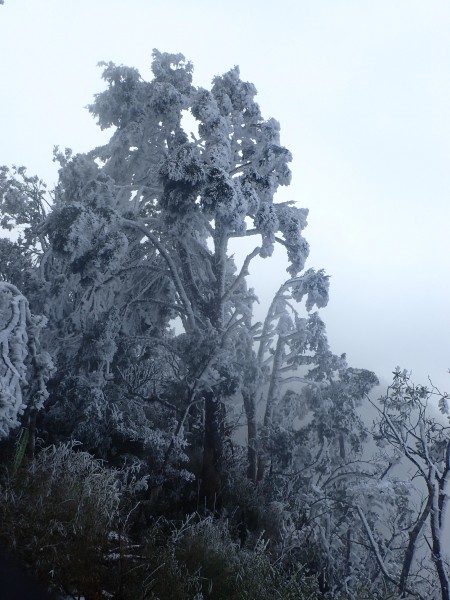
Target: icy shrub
column 226, row 571
column 57, row 515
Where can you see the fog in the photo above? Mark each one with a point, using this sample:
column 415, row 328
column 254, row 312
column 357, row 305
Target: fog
column 362, row 91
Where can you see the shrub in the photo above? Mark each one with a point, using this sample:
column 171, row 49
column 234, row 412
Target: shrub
column 56, row 517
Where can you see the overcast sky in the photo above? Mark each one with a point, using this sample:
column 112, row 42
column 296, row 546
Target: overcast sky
column 362, row 91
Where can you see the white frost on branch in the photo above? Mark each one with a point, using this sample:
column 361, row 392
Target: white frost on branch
column 19, row 351
column 13, row 349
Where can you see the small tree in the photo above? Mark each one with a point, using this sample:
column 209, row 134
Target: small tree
column 408, row 426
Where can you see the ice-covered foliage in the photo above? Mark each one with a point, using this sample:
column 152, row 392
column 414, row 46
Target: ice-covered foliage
column 13, row 345
column 22, row 204
column 315, row 286
column 24, row 366
column 407, row 430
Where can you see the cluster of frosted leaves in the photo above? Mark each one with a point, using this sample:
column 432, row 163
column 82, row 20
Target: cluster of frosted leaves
column 292, row 221
column 215, row 128
column 40, row 363
column 334, row 408
column 310, row 345
column 266, row 222
column 305, row 337
column 151, row 373
column 20, row 196
column 115, row 425
column 146, row 116
column 88, row 238
column 100, row 345
column 106, row 287
column 22, row 207
column 95, row 262
column 254, row 142
column 13, row 348
column 229, row 174
column 21, row 359
column 154, row 435
column 82, row 413
column 314, row 285
column 15, row 265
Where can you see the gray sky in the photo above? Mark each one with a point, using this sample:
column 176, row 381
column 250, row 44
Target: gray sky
column 362, row 91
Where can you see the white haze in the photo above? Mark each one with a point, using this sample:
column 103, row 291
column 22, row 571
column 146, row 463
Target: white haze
column 362, row 91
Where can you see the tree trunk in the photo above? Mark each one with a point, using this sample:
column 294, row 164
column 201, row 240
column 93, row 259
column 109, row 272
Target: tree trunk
column 348, row 553
column 211, row 486
column 252, row 438
column 412, row 544
column 32, row 429
column 272, row 398
column 436, row 534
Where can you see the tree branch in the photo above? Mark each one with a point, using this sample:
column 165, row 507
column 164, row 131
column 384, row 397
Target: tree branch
column 378, row 556
column 243, row 273
column 175, row 277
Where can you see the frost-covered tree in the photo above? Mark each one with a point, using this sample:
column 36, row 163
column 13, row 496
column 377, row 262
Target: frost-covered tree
column 410, row 434
column 190, row 196
column 149, row 315
column 309, row 454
